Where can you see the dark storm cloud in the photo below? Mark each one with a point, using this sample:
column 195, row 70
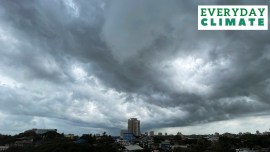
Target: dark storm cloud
column 97, row 63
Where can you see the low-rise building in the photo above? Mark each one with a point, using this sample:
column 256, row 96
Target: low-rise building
column 24, row 141
column 133, row 148
column 244, row 150
column 146, row 133
column 122, row 132
column 128, row 136
column 165, row 145
column 3, row 148
column 70, row 136
column 213, row 138
column 266, row 133
column 180, row 146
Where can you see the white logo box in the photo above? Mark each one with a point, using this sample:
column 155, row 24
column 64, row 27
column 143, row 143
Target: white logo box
column 221, row 20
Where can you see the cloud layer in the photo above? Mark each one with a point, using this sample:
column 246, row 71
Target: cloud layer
column 91, row 65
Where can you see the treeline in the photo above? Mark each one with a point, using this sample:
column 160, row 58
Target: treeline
column 226, row 144
column 55, row 142
column 65, row 147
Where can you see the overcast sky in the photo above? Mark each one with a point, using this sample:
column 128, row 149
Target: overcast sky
column 88, row 66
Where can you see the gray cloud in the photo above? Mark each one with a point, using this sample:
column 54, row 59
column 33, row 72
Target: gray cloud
column 93, row 65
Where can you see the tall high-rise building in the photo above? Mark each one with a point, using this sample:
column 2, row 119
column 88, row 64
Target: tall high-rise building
column 134, row 126
column 152, row 133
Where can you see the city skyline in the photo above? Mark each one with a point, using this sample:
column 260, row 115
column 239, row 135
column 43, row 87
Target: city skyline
column 89, row 66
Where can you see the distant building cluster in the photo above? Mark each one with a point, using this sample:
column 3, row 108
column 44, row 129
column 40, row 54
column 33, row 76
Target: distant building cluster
column 131, row 139
column 134, row 130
